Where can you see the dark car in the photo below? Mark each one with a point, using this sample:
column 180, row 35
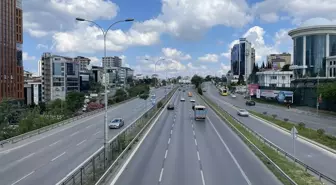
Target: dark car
column 183, row 90
column 250, row 103
column 170, row 107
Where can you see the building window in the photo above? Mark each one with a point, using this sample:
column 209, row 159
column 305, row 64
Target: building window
column 330, row 62
column 334, row 62
column 283, row 77
column 273, row 77
column 283, row 85
column 272, row 85
column 334, row 72
column 330, row 72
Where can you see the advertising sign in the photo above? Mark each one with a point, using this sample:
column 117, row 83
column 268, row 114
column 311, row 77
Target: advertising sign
column 36, row 94
column 258, row 93
column 253, row 88
column 280, row 96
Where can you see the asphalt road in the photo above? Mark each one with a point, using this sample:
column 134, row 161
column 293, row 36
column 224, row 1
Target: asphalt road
column 181, row 151
column 318, row 158
column 328, row 123
column 49, row 157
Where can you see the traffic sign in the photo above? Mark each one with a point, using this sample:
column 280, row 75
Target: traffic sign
column 294, row 133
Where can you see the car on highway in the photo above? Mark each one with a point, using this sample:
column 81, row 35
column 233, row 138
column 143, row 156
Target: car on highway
column 204, row 90
column 170, row 106
column 183, row 90
column 250, row 103
column 192, row 100
column 233, row 96
column 243, row 112
column 182, row 99
column 116, row 123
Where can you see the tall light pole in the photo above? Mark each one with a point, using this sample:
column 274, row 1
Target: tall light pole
column 156, row 62
column 105, row 73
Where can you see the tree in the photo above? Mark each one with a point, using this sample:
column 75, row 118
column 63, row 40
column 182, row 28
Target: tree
column 74, row 101
column 286, row 67
column 263, row 65
column 196, row 80
column 208, row 78
column 241, row 80
column 164, row 82
column 179, row 78
column 328, row 91
column 57, row 107
column 130, row 81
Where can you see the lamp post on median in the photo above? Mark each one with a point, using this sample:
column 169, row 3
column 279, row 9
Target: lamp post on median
column 105, row 73
column 156, row 62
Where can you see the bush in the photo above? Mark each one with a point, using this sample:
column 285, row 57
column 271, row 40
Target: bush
column 265, row 113
column 320, row 132
column 199, row 90
column 286, row 119
column 301, row 126
column 274, row 116
column 159, row 104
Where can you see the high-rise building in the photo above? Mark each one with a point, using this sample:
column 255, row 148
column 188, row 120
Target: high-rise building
column 277, row 61
column 11, row 68
column 242, row 56
column 39, row 68
column 60, row 75
column 109, row 62
column 83, row 63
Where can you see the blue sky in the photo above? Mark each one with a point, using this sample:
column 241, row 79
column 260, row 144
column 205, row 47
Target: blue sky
column 195, row 35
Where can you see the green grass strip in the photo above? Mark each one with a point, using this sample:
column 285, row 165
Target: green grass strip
column 315, row 135
column 297, row 173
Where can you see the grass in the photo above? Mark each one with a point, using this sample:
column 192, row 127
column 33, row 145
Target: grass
column 324, row 139
column 295, row 172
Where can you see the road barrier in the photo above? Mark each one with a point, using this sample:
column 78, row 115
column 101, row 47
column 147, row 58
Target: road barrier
column 323, row 178
column 32, row 133
column 97, row 166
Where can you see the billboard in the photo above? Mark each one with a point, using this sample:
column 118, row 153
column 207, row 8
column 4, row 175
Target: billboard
column 278, row 95
column 253, row 89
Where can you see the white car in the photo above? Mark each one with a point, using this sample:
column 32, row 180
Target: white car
column 233, row 96
column 192, row 100
column 182, row 99
column 243, row 112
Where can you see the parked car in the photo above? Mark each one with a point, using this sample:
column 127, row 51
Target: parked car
column 250, row 103
column 116, row 123
column 243, row 112
column 170, row 106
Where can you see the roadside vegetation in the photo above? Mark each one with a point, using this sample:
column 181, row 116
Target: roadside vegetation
column 295, row 172
column 315, row 135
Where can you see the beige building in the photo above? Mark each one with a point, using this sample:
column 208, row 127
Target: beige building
column 279, row 60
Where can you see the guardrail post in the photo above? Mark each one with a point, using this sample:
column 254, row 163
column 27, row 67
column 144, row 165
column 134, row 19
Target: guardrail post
column 73, row 179
column 93, row 169
column 81, row 176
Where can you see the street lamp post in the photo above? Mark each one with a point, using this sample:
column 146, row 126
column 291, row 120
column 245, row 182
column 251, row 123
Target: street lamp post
column 105, row 73
column 161, row 59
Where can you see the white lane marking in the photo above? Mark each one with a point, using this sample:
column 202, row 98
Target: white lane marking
column 173, row 125
column 74, row 133
column 168, row 141
column 89, row 126
column 203, row 181
column 26, row 157
column 96, row 133
column 232, row 156
column 60, row 155
column 192, row 125
column 194, row 132
column 198, row 156
column 166, row 154
column 81, row 142
column 23, row 177
column 161, row 173
column 55, row 142
column 171, row 132
column 195, row 142
column 174, row 120
column 136, row 148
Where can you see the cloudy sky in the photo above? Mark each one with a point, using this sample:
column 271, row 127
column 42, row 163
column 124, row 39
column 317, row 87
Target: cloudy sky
column 195, row 35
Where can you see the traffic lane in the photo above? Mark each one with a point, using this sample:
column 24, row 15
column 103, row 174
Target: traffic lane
column 247, row 168
column 136, row 105
column 182, row 165
column 145, row 166
column 42, row 157
column 315, row 122
column 312, row 155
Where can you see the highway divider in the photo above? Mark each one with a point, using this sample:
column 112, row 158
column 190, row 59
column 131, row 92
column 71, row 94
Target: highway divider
column 32, row 133
column 288, row 169
column 98, row 166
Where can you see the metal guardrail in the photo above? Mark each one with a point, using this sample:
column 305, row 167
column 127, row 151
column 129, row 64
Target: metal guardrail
column 321, row 176
column 32, row 133
column 256, row 149
column 93, row 168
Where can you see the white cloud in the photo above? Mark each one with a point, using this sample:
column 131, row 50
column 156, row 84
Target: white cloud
column 25, row 56
column 224, row 69
column 41, row 17
column 298, row 10
column 175, row 54
column 95, row 61
column 209, row 58
column 269, row 17
column 42, row 46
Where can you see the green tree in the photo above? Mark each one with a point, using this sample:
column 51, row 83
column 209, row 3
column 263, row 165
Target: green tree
column 263, row 65
column 241, row 80
column 164, row 82
column 286, row 68
column 196, row 80
column 208, row 78
column 9, row 112
column 57, row 107
column 74, row 101
column 130, row 81
column 328, row 91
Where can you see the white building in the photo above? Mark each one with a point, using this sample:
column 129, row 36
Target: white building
column 60, row 75
column 39, row 68
column 331, row 67
column 275, row 78
column 109, row 62
column 83, row 63
column 33, row 90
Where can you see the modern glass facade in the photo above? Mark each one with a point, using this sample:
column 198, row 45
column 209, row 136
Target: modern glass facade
column 235, row 59
column 315, row 52
column 242, row 59
column 332, row 45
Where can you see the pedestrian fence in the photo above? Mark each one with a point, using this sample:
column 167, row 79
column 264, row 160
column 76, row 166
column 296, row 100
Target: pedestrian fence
column 93, row 168
column 322, row 177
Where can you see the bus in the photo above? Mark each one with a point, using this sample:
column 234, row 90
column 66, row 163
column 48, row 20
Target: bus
column 200, row 112
column 224, row 91
column 189, row 94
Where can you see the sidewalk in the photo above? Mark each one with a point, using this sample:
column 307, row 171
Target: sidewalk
column 312, row 111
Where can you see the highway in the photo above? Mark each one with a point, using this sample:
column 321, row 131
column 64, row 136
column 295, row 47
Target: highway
column 47, row 158
column 327, row 123
column 318, row 158
column 181, row 151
